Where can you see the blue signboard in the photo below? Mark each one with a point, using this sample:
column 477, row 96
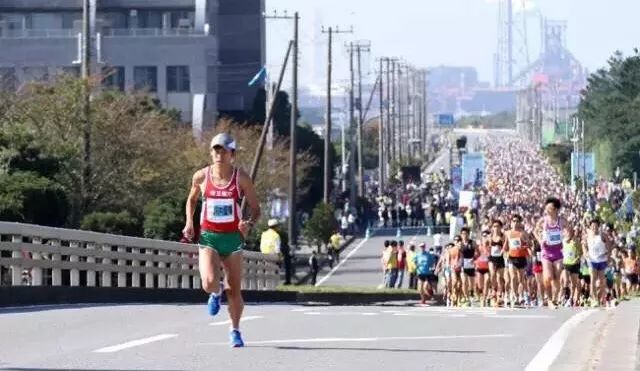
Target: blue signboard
column 445, row 119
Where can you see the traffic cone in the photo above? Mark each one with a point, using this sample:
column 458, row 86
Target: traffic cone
column 398, row 233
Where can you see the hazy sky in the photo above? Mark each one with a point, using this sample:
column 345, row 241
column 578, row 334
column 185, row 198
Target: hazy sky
column 451, row 32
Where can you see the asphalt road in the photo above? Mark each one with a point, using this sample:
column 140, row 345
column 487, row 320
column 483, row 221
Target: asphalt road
column 278, row 337
column 360, row 264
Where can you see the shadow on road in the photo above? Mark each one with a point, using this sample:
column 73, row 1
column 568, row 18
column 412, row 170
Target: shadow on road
column 372, row 349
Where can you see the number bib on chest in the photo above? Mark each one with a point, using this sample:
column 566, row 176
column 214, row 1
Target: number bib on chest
column 515, row 243
column 220, row 210
column 496, row 250
column 553, row 238
column 468, row 264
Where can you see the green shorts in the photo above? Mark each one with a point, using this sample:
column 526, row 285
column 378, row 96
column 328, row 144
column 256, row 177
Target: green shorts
column 224, row 243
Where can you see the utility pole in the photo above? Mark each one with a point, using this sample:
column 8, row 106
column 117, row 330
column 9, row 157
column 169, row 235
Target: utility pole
column 389, row 123
column 86, row 99
column 327, row 139
column 394, row 119
column 381, row 141
column 360, row 47
column 352, row 157
column 293, row 230
column 292, row 227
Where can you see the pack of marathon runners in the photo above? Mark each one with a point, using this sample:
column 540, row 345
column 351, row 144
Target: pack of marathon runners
column 537, row 244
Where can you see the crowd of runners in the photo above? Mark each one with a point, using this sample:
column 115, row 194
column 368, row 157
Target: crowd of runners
column 537, row 242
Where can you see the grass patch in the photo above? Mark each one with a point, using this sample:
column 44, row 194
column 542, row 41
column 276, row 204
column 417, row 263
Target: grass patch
column 344, row 289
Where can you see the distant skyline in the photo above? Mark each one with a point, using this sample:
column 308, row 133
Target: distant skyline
column 428, row 33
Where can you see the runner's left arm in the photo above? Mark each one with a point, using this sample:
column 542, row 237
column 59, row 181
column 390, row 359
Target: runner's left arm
column 249, row 192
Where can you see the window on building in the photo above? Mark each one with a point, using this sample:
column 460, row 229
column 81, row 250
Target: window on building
column 150, row 19
column 146, row 78
column 36, row 74
column 178, row 80
column 43, row 21
column 113, row 77
column 69, row 20
column 8, row 80
column 111, row 20
column 182, row 19
column 11, row 22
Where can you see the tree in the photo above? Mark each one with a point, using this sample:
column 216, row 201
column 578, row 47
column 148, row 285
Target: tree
column 610, row 107
column 559, row 156
column 164, row 217
column 320, row 226
column 27, row 197
column 122, row 223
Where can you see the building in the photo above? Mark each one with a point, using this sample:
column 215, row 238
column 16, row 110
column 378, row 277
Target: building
column 193, row 55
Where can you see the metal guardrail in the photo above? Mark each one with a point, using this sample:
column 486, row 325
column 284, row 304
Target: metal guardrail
column 44, row 254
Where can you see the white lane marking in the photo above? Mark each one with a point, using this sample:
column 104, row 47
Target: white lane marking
column 518, row 316
column 134, row 343
column 373, row 339
column 341, row 314
column 355, row 249
column 545, row 357
column 434, row 314
column 308, row 309
column 228, row 322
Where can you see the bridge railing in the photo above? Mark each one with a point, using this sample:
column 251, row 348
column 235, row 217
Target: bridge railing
column 45, row 256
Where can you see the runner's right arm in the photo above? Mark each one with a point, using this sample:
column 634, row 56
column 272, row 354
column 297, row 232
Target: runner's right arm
column 192, row 199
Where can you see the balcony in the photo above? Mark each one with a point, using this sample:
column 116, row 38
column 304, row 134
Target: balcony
column 37, row 33
column 150, row 32
column 105, row 32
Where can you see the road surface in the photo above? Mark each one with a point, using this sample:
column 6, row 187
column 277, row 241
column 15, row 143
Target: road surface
column 278, row 337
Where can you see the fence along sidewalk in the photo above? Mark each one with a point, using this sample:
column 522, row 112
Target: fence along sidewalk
column 47, row 255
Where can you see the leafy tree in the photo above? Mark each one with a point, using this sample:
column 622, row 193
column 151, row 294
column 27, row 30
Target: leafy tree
column 164, row 217
column 122, row 223
column 27, row 197
column 559, row 156
column 610, row 107
column 320, row 226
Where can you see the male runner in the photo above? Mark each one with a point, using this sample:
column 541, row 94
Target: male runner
column 222, row 186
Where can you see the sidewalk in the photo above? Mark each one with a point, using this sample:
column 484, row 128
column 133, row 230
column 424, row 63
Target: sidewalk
column 607, row 340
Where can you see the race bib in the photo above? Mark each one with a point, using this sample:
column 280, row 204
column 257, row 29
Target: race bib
column 220, row 210
column 496, row 250
column 468, row 264
column 553, row 238
column 570, row 255
column 483, row 259
column 515, row 243
column 539, row 256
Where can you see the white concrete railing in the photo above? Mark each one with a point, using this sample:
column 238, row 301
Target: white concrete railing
column 44, row 256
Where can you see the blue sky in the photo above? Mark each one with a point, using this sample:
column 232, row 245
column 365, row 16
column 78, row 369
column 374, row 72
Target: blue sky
column 451, row 32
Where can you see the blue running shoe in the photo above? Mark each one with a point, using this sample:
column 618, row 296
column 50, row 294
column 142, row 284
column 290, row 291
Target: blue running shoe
column 213, row 305
column 236, row 339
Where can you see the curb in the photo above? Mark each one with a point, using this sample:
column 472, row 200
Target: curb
column 44, row 295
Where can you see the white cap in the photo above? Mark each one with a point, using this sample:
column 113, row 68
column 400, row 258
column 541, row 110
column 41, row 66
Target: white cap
column 224, row 140
column 272, row 223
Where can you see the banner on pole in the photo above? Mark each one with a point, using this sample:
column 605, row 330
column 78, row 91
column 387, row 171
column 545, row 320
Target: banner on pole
column 582, row 163
column 472, row 170
column 456, row 179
